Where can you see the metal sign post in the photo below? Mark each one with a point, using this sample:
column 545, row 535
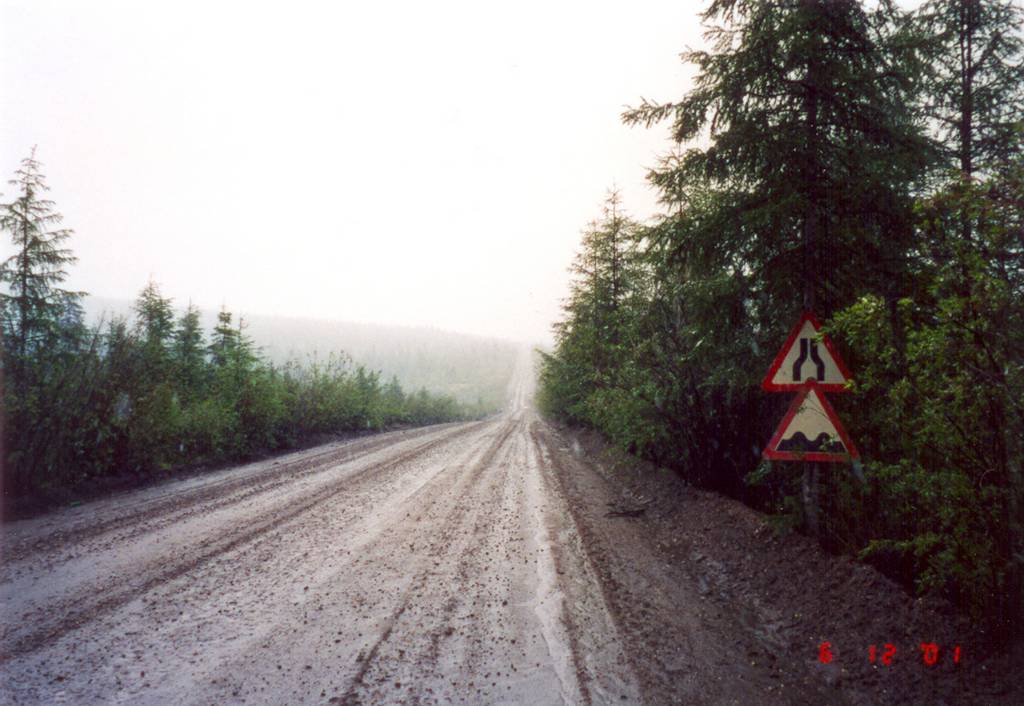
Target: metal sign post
column 811, row 432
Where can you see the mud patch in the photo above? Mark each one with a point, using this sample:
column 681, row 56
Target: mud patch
column 773, row 599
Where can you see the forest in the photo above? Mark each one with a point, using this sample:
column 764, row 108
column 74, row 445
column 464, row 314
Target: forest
column 864, row 163
column 137, row 395
column 472, row 369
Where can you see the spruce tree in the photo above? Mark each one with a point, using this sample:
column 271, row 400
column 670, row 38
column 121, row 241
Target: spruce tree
column 154, row 325
column 812, row 149
column 602, row 271
column 34, row 306
column 189, row 350
column 232, row 351
column 976, row 87
column 225, row 339
column 590, row 338
column 154, row 316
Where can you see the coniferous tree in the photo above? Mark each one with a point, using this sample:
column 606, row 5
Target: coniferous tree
column 154, row 324
column 189, row 350
column 976, row 87
column 244, row 355
column 591, row 338
column 35, row 306
column 812, row 149
column 154, row 317
column 225, row 339
column 801, row 198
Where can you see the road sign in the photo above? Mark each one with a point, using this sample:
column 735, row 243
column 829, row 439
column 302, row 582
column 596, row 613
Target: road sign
column 804, row 358
column 811, row 431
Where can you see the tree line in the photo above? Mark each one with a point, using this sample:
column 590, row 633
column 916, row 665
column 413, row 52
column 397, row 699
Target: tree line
column 146, row 395
column 863, row 162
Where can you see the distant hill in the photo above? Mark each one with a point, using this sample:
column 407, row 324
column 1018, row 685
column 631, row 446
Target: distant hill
column 470, row 368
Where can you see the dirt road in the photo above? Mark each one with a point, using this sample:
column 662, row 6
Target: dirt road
column 466, row 563
column 415, row 566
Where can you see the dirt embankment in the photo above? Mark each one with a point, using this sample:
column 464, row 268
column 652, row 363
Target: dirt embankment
column 496, row 562
column 724, row 588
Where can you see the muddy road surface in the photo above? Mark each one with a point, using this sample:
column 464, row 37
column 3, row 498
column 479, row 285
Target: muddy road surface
column 467, row 563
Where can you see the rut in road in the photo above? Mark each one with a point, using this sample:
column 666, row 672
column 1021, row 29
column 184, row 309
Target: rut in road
column 455, row 515
column 214, row 491
column 93, row 599
column 466, row 563
column 415, row 567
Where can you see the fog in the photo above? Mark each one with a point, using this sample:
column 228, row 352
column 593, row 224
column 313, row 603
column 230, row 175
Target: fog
column 399, row 163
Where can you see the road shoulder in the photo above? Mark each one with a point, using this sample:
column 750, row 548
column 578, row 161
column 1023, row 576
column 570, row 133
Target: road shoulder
column 716, row 607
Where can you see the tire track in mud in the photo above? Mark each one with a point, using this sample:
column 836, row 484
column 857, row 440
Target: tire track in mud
column 467, row 644
column 690, row 656
column 82, row 608
column 571, row 628
column 482, row 523
column 165, row 510
column 625, row 605
column 441, row 544
column 587, row 565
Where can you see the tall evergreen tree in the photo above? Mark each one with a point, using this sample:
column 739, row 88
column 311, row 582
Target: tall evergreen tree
column 602, row 273
column 225, row 339
column 35, row 306
column 154, row 316
column 154, row 325
column 812, row 148
column 592, row 336
column 189, row 350
column 976, row 91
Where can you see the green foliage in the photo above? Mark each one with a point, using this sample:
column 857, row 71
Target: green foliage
column 35, row 313
column 474, row 371
column 140, row 399
column 817, row 175
column 976, row 77
column 951, row 371
column 188, row 353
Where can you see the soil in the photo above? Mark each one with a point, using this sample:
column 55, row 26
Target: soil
column 779, row 595
column 494, row 562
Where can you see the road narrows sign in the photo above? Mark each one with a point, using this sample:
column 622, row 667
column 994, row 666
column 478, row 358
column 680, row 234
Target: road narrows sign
column 804, row 358
column 811, row 431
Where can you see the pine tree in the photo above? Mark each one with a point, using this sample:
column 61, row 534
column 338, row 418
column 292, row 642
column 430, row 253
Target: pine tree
column 154, row 317
column 976, row 91
column 189, row 350
column 154, row 326
column 602, row 277
column 233, row 352
column 591, row 337
column 813, row 146
column 225, row 339
column 244, row 354
column 35, row 306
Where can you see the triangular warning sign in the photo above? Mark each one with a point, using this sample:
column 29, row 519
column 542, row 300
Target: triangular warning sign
column 811, row 431
column 803, row 358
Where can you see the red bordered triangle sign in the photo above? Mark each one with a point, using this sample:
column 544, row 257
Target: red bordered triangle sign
column 803, row 358
column 811, row 431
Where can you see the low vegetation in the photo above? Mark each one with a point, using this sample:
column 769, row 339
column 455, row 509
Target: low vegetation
column 866, row 163
column 155, row 391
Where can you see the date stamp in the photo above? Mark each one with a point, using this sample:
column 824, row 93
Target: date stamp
column 931, row 653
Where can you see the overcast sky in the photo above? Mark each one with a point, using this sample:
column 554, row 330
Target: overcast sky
column 409, row 163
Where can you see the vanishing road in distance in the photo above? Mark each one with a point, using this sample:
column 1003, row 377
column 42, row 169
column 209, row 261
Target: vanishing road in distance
column 448, row 564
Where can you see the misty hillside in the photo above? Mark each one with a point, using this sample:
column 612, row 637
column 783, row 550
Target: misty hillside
column 470, row 368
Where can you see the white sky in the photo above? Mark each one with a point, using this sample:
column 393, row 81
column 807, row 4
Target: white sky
column 407, row 163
